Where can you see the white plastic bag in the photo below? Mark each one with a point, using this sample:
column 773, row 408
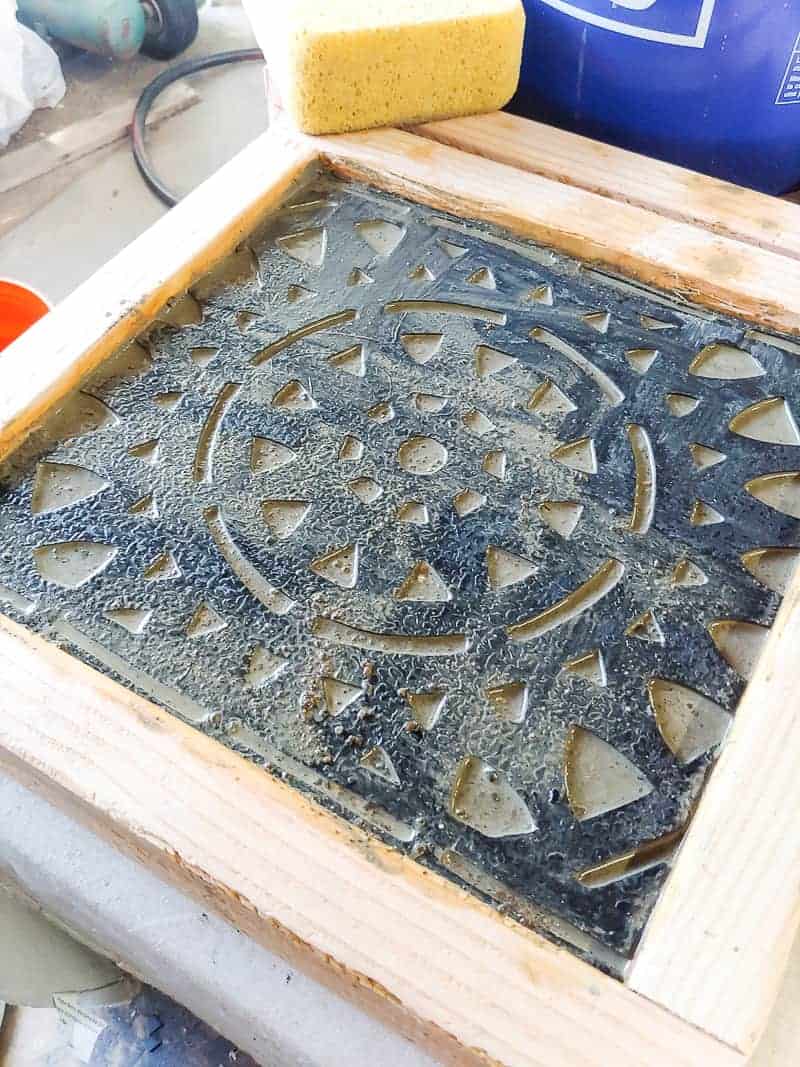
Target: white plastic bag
column 30, row 73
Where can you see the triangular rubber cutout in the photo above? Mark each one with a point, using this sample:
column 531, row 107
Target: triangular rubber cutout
column 646, row 627
column 467, row 501
column 134, row 620
column 381, row 236
column 340, row 567
column 367, row 490
column 577, row 455
column 284, row 516
column 704, row 457
column 146, row 507
column 383, row 411
column 169, row 401
column 483, row 799
column 548, row 399
column 495, row 464
column 146, row 451
column 298, row 294
column 351, row 450
column 703, row 514
column 647, row 322
column 263, row 667
column 739, row 643
column 72, row 564
column 680, row 405
column 452, row 251
column 590, row 666
column 413, row 512
column 509, row 700
column 357, row 276
column 350, row 360
column 162, row 568
column 426, row 706
column 770, row 421
column 506, row 568
column 689, row 723
column 476, row 422
column 726, row 363
column 562, row 516
column 483, row 277
column 641, row 359
column 423, row 584
column 339, row 695
column 489, row 361
column 202, row 355
column 307, row 246
column 60, row 485
column 421, row 347
column 267, row 455
column 378, row 762
column 687, row 575
column 542, row 294
column 294, row 397
column 597, row 320
column 598, row 777
column 205, row 621
column 773, row 567
column 422, row 273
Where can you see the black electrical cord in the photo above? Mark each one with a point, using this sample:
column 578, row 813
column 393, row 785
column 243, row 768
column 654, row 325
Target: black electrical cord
column 148, row 97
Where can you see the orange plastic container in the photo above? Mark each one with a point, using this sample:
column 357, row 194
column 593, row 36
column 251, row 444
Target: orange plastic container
column 20, row 307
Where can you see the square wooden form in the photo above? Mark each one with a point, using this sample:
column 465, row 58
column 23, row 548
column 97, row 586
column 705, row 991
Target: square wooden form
column 469, row 984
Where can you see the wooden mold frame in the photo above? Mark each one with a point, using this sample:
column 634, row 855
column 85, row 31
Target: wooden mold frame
column 467, row 983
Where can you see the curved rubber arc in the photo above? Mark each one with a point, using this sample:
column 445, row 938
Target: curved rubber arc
column 202, row 470
column 272, row 599
column 339, row 318
column 607, row 386
column 444, row 307
column 644, row 493
column 339, row 633
column 572, row 605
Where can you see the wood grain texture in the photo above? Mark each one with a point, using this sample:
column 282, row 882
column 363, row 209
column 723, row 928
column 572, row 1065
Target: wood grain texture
column 662, row 188
column 112, row 306
column 716, row 946
column 780, row 1043
column 703, row 267
column 472, row 986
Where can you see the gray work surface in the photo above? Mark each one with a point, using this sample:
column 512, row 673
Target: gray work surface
column 248, row 994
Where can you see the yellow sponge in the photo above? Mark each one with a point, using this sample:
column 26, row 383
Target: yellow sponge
column 342, row 65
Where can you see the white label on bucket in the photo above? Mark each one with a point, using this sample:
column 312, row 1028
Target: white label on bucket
column 652, row 20
column 789, row 92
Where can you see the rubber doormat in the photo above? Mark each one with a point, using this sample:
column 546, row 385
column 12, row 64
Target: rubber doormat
column 471, row 541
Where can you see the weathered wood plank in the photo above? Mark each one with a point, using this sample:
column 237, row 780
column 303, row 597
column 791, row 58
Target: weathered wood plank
column 662, row 188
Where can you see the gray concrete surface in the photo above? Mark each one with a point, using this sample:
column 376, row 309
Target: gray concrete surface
column 91, row 209
column 277, row 1015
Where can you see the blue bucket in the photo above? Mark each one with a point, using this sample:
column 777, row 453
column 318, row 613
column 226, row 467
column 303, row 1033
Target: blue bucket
column 713, row 85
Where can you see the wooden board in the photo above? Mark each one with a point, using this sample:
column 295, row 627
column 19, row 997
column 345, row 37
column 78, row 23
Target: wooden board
column 446, row 969
column 662, row 188
column 717, row 943
column 708, row 269
column 77, row 335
